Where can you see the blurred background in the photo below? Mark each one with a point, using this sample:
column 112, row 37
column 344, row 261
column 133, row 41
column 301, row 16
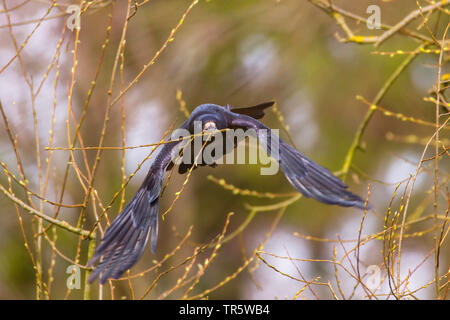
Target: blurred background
column 237, row 52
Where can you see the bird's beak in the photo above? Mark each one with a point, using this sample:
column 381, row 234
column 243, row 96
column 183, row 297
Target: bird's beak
column 210, row 125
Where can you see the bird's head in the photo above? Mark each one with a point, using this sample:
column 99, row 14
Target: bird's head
column 211, row 122
column 208, row 117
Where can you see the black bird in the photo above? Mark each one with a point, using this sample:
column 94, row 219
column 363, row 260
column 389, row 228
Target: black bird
column 125, row 240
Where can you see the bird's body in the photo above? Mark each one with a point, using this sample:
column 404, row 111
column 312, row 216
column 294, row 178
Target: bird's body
column 125, row 240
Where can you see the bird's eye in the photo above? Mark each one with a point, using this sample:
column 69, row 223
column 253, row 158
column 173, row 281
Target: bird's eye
column 210, row 125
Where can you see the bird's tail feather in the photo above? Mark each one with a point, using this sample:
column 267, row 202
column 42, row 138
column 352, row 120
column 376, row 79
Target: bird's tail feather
column 125, row 240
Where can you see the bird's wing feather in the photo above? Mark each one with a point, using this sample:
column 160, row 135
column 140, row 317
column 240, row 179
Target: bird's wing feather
column 125, row 240
column 306, row 176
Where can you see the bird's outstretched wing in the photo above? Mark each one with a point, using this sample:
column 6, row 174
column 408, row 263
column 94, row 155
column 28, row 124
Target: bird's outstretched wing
column 306, row 176
column 125, row 240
